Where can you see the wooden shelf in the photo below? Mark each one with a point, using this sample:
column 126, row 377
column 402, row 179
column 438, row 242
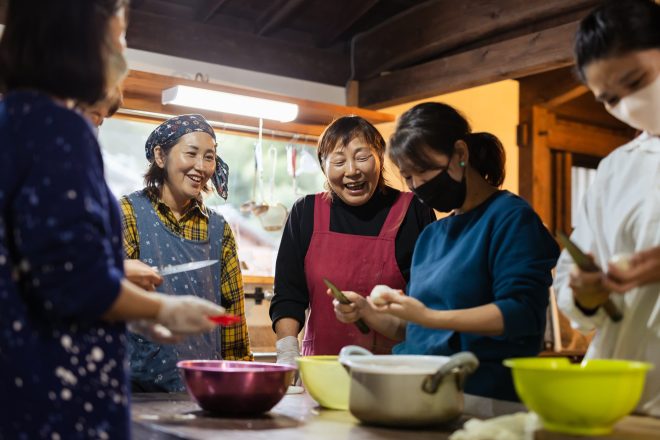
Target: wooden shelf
column 259, row 280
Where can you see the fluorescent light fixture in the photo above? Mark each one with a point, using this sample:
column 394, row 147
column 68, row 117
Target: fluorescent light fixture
column 230, row 103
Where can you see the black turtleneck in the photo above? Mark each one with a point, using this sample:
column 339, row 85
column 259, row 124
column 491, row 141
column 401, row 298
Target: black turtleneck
column 291, row 295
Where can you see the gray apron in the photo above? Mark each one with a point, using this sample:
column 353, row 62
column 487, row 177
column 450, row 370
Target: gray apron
column 153, row 366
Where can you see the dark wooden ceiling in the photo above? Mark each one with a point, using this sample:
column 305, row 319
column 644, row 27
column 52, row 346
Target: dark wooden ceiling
column 395, row 50
column 398, row 50
column 306, row 39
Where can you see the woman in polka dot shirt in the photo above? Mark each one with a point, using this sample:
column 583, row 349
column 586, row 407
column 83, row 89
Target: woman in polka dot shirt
column 64, row 299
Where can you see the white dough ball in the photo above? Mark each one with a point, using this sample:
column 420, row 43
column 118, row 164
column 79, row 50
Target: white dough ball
column 377, row 294
column 621, row 261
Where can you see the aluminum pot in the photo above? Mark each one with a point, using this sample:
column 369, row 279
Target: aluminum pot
column 236, row 387
column 406, row 391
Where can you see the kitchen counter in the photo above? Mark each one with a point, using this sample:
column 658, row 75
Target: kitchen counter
column 297, row 416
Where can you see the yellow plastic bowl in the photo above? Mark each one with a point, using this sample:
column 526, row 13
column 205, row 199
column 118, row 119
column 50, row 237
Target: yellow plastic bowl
column 583, row 399
column 325, row 380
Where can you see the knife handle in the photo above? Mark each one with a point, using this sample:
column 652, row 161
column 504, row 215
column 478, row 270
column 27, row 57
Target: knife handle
column 612, row 311
column 587, row 264
column 362, row 326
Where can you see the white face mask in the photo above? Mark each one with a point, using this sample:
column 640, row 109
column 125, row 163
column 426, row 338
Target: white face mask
column 641, row 109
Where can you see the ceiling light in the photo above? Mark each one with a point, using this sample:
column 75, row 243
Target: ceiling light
column 230, row 103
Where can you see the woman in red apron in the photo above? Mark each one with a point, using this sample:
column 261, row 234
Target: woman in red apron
column 357, row 234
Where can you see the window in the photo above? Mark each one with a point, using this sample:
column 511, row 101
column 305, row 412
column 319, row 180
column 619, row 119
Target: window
column 581, row 180
column 122, row 142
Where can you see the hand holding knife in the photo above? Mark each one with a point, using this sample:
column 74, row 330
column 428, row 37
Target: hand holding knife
column 339, row 296
column 586, row 264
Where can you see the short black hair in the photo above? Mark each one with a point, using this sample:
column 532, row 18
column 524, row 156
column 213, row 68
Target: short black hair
column 57, row 47
column 617, row 27
column 438, row 126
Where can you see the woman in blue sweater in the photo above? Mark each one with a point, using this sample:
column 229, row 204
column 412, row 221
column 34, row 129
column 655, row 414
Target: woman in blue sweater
column 480, row 277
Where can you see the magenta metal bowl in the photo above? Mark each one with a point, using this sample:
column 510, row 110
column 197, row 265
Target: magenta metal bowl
column 236, row 387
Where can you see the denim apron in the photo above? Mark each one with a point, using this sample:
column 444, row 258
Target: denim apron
column 153, row 366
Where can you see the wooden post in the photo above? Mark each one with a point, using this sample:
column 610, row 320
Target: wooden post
column 542, row 121
column 352, row 95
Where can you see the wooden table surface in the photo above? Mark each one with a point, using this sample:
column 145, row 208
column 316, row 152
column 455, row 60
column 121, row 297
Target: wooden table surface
column 297, row 417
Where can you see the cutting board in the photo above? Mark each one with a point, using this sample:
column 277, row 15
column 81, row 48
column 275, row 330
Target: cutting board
column 630, row 428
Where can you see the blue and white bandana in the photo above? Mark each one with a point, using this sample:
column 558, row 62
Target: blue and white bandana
column 174, row 128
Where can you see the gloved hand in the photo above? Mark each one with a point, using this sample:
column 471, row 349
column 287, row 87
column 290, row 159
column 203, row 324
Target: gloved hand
column 187, row 315
column 154, row 332
column 287, row 350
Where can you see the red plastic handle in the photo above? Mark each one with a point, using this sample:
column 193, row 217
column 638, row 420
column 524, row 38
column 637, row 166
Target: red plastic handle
column 225, row 319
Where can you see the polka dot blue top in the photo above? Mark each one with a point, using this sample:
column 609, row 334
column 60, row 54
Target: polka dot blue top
column 62, row 369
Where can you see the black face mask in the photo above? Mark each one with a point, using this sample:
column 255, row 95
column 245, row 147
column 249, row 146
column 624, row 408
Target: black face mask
column 442, row 193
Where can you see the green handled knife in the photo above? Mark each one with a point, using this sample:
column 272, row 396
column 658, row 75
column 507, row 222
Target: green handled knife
column 339, row 296
column 585, row 263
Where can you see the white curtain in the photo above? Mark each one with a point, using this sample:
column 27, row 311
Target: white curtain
column 581, row 178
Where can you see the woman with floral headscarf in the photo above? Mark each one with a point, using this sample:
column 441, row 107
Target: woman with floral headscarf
column 167, row 223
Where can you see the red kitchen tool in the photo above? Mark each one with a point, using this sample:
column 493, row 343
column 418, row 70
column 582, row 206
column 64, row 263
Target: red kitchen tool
column 225, row 319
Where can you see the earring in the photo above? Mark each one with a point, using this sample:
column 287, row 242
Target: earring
column 462, row 164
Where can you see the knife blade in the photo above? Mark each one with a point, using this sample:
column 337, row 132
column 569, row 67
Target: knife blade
column 178, row 268
column 339, row 296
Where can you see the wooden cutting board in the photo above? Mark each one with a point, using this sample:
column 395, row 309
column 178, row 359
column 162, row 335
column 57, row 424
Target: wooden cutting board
column 630, row 428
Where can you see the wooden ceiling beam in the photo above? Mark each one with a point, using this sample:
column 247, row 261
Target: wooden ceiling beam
column 345, row 19
column 3, row 11
column 276, row 14
column 432, row 28
column 565, row 97
column 537, row 52
column 585, row 138
column 544, row 87
column 562, row 93
column 213, row 44
column 208, row 8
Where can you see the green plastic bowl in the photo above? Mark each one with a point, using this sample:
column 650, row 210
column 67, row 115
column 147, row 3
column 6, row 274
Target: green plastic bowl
column 326, row 380
column 583, row 399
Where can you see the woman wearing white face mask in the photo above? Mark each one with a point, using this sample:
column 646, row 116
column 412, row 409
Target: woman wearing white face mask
column 617, row 52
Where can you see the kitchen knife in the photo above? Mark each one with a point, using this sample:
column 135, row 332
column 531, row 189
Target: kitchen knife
column 178, row 268
column 364, row 328
column 585, row 263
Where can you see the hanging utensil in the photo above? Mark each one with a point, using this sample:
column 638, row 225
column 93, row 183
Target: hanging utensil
column 274, row 218
column 291, row 158
column 252, row 205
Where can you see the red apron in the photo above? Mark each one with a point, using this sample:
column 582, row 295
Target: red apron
column 351, row 262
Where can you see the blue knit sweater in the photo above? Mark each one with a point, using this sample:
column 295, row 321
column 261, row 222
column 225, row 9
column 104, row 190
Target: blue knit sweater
column 499, row 253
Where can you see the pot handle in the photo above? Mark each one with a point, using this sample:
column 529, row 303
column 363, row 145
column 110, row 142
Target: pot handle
column 465, row 362
column 351, row 350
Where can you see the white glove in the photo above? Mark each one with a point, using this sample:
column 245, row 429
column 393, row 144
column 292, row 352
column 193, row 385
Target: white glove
column 287, row 350
column 188, row 314
column 154, row 332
